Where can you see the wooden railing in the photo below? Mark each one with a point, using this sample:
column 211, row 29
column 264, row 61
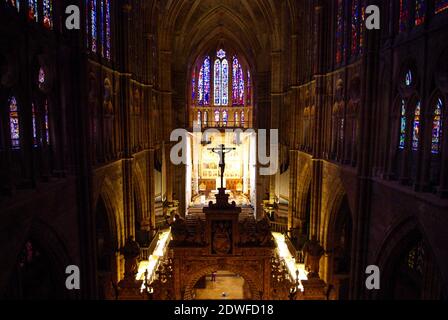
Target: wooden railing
column 279, row 227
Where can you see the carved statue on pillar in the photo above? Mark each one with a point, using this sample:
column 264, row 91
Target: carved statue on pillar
column 131, row 252
column 313, row 252
column 129, row 287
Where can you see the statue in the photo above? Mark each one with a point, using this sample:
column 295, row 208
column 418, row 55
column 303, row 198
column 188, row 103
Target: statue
column 131, row 252
column 313, row 252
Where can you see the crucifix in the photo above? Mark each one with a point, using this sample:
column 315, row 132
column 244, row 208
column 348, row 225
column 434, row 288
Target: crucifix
column 221, row 151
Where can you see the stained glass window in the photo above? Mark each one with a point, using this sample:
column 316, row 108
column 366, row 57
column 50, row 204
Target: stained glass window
column 204, row 83
column 437, row 127
column 14, row 123
column 403, row 125
column 420, row 12
column 238, row 82
column 440, row 5
column 48, row 13
column 102, row 29
column 218, row 75
column 404, row 15
column 243, row 118
column 41, row 78
column 225, row 82
column 216, row 117
column 236, row 119
column 14, row 3
column 416, row 258
column 221, row 54
column 363, row 22
column 108, row 30
column 356, row 28
column 225, row 117
column 416, row 128
column 193, row 86
column 33, row 110
column 340, row 50
column 93, row 25
column 249, row 89
column 47, row 125
column 32, row 10
column 409, row 78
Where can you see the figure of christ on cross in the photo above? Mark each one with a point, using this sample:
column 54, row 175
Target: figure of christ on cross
column 221, row 151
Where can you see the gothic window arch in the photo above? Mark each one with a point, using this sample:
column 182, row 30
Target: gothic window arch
column 437, row 116
column 221, row 82
column 416, row 126
column 237, row 82
column 403, row 124
column 204, row 83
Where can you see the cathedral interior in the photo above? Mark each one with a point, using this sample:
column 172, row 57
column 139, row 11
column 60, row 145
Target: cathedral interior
column 355, row 176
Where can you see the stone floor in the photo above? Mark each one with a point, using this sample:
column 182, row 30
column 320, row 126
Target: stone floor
column 226, row 283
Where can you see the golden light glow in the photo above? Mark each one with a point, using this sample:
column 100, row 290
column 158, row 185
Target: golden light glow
column 153, row 261
column 290, row 261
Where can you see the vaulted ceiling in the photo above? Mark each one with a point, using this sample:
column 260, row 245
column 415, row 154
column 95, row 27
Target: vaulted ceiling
column 190, row 27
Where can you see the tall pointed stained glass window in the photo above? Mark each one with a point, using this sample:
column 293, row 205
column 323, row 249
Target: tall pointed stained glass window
column 218, row 81
column 14, row 123
column 340, row 50
column 193, row 86
column 225, row 82
column 93, row 25
column 356, row 26
column 420, row 12
column 404, row 15
column 440, row 5
column 47, row 124
column 249, row 88
column 416, row 127
column 107, row 28
column 204, row 83
column 221, row 79
column 238, row 82
column 437, row 127
column 402, row 142
column 32, row 10
column 33, row 110
column 48, row 13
